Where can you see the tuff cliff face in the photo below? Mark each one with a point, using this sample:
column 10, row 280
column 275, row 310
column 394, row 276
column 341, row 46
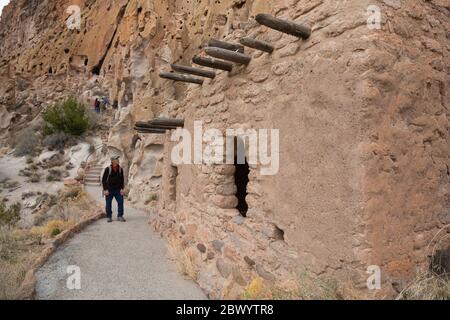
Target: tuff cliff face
column 362, row 113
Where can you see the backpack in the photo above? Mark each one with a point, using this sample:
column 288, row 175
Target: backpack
column 107, row 179
column 109, row 172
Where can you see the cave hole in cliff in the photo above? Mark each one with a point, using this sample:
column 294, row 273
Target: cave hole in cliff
column 241, row 176
column 440, row 262
column 239, row 4
column 96, row 70
column 173, row 183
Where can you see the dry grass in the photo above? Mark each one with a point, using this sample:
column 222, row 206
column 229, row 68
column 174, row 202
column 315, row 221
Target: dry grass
column 433, row 284
column 307, row 287
column 20, row 247
column 257, row 290
column 18, row 250
column 52, row 228
column 312, row 287
column 183, row 258
column 427, row 286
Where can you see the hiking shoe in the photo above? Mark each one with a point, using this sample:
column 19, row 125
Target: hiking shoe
column 109, row 220
column 121, row 219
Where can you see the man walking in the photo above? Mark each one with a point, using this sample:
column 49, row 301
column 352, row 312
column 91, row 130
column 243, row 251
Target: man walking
column 113, row 187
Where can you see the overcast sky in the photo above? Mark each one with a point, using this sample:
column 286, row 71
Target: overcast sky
column 2, row 4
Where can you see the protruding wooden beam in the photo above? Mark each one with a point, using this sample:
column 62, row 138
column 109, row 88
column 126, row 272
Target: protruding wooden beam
column 257, row 44
column 226, row 45
column 159, row 124
column 142, row 130
column 180, row 77
column 145, row 125
column 212, row 63
column 168, row 122
column 292, row 28
column 224, row 54
column 195, row 71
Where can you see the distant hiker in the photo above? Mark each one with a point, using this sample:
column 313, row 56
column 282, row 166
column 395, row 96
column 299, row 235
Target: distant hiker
column 105, row 101
column 113, row 187
column 97, row 105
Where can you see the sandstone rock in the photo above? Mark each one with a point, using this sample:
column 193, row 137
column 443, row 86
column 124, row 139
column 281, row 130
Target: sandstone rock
column 226, row 190
column 239, row 220
column 225, row 202
column 224, row 268
column 201, row 247
column 273, row 232
column 227, row 170
column 249, row 261
column 237, row 276
column 230, row 253
column 264, row 274
column 217, row 245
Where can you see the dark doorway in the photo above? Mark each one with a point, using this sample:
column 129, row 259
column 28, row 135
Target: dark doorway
column 440, row 263
column 173, row 183
column 241, row 180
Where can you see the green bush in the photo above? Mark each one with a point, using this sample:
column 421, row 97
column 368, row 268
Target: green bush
column 55, row 232
column 9, row 216
column 69, row 117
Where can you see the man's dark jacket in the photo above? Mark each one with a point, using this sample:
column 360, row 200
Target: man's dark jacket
column 113, row 179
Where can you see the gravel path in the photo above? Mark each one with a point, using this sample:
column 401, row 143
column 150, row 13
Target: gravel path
column 117, row 261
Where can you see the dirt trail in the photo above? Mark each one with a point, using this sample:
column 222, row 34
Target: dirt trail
column 117, row 261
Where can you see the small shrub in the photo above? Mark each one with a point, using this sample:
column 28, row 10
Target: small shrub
column 53, row 200
column 69, row 117
column 183, row 258
column 313, row 287
column 257, row 290
column 427, row 286
column 69, row 166
column 51, row 227
column 71, row 192
column 154, row 197
column 27, row 195
column 56, row 141
column 32, row 167
column 27, row 143
column 55, row 232
column 55, row 161
column 9, row 216
column 54, row 175
column 25, row 173
column 11, row 185
column 35, row 178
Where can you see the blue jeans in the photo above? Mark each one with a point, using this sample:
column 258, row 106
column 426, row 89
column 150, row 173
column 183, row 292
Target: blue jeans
column 119, row 198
